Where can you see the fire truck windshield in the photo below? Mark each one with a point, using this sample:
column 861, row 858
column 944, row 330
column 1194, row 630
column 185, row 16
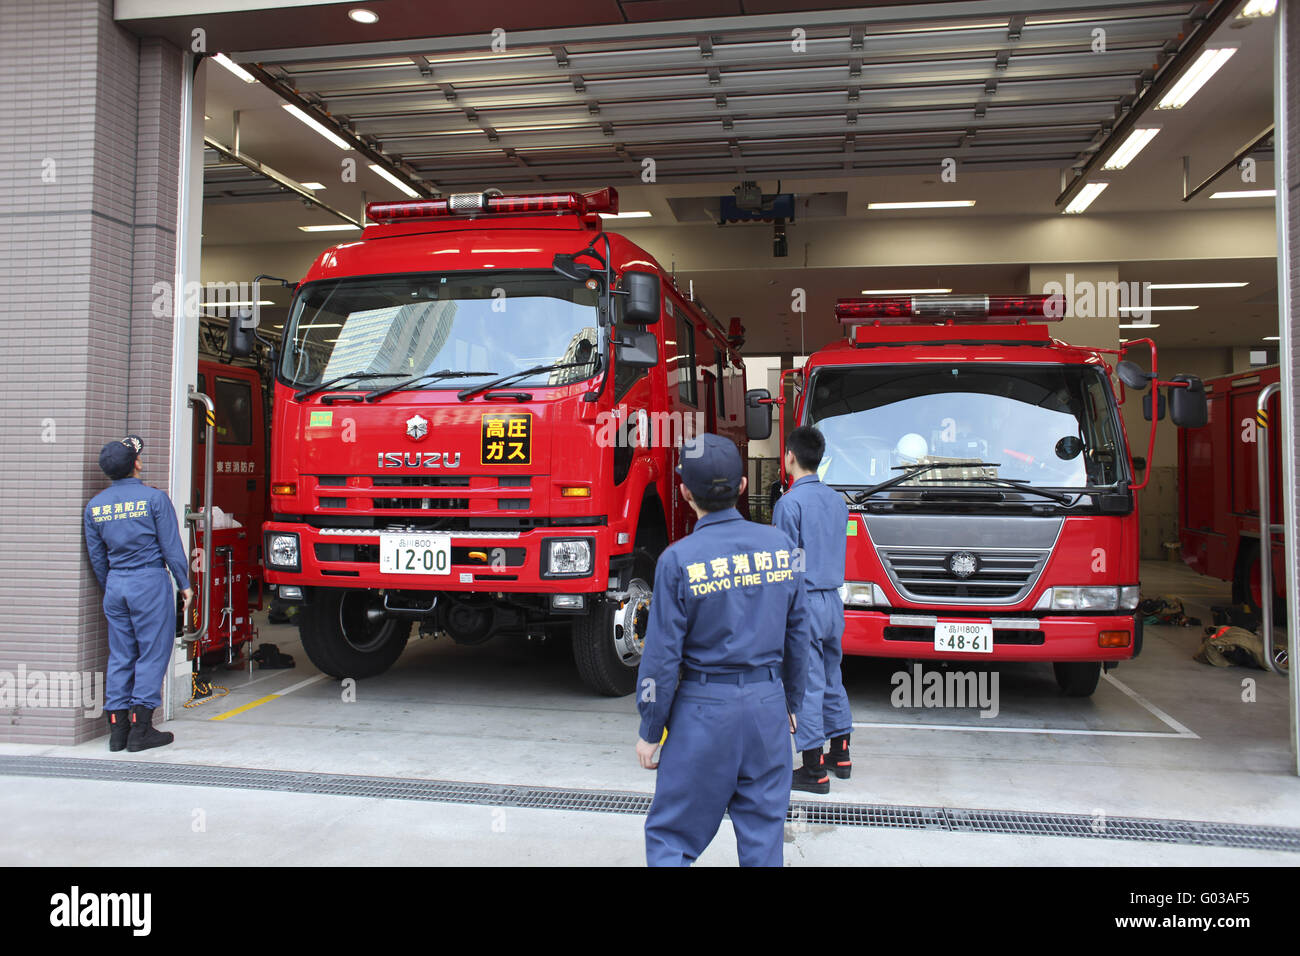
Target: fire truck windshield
column 1049, row 426
column 356, row 330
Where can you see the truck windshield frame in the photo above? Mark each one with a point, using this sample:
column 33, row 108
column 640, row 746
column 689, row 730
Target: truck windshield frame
column 501, row 321
column 877, row 418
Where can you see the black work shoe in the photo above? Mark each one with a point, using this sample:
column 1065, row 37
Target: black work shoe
column 143, row 736
column 119, row 726
column 837, row 761
column 811, row 781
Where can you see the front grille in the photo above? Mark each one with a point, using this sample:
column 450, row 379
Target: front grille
column 1002, row 576
column 419, row 481
column 1000, row 636
column 420, row 504
column 483, row 555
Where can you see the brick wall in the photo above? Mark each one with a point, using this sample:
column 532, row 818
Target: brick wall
column 88, row 189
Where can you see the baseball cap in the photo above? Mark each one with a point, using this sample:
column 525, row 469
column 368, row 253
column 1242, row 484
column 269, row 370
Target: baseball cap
column 118, row 457
column 711, row 467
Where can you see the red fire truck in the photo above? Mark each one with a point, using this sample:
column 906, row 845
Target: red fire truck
column 476, row 414
column 1218, row 488
column 989, row 481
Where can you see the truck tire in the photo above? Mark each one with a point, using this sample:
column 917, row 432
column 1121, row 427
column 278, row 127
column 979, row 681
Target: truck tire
column 607, row 640
column 1077, row 678
column 344, row 636
column 1246, row 583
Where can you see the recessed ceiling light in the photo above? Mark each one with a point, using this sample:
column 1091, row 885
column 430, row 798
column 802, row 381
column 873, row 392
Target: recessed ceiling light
column 1197, row 75
column 234, row 68
column 332, row 228
column 1196, row 285
column 313, row 185
column 904, row 291
column 933, row 204
column 321, row 128
column 406, row 189
column 1245, row 194
column 1082, row 201
column 362, row 15
column 1131, row 147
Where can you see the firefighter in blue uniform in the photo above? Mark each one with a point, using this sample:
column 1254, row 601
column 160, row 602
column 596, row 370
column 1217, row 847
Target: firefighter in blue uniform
column 134, row 541
column 723, row 669
column 816, row 518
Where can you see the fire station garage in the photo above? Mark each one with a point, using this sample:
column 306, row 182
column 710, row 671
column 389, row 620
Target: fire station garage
column 412, row 304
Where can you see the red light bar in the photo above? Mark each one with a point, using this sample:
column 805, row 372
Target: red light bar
column 904, row 309
column 491, row 204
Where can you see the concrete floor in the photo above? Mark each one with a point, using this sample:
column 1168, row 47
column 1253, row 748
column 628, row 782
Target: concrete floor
column 1163, row 737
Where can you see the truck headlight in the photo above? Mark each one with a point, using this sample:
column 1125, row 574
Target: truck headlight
column 858, row 594
column 282, row 551
column 1129, row 598
column 568, row 557
column 1088, row 599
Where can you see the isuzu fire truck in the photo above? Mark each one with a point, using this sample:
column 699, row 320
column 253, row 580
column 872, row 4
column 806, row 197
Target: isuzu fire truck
column 477, row 416
column 989, row 481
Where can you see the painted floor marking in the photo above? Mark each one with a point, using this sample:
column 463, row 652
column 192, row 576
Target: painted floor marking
column 269, row 697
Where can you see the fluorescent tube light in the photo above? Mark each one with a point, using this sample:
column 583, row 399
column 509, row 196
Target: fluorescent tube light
column 933, row 204
column 321, row 128
column 1086, row 195
column 234, row 68
column 1196, row 285
column 1131, row 147
column 1245, row 194
column 380, row 171
column 1197, row 75
column 332, row 228
column 905, row 291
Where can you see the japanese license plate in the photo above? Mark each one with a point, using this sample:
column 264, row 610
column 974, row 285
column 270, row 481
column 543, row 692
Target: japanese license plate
column 963, row 637
column 415, row 553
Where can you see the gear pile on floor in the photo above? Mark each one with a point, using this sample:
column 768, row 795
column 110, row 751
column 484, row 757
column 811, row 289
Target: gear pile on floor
column 1166, row 609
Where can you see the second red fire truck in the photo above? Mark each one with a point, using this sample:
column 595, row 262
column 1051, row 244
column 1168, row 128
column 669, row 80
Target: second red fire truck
column 476, row 419
column 989, row 480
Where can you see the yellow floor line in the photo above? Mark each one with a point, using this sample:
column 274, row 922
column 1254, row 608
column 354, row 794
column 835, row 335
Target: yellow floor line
column 243, row 707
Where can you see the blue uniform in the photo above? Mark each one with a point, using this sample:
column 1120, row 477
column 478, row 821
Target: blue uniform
column 816, row 518
column 133, row 540
column 727, row 607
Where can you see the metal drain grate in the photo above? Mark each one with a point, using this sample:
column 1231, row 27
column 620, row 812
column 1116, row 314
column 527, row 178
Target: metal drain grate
column 951, row 819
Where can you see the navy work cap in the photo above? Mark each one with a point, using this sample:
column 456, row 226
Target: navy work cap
column 711, row 467
column 117, row 458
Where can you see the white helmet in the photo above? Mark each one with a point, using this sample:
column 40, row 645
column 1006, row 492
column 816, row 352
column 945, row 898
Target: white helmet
column 913, row 446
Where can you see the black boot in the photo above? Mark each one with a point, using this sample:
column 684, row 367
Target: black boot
column 811, row 777
column 143, row 736
column 119, row 725
column 837, row 761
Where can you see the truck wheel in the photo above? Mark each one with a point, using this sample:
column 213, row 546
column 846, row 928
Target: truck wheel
column 1247, row 587
column 1078, row 679
column 607, row 641
column 345, row 633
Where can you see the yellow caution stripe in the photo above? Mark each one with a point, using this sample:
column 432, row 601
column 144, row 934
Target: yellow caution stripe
column 1261, row 416
column 269, row 697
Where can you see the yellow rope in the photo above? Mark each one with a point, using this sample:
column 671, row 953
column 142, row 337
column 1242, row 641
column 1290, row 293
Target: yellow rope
column 194, row 692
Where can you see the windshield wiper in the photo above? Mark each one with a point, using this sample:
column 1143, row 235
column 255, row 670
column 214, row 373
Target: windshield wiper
column 467, row 393
column 342, row 378
column 426, row 377
column 911, row 471
column 1019, row 485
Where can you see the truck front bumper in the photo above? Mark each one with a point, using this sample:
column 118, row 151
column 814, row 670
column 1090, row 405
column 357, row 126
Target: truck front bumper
column 494, row 561
column 909, row 634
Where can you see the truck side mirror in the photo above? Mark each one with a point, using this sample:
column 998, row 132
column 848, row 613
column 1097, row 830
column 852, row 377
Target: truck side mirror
column 1160, row 405
column 637, row 348
column 239, row 337
column 1132, row 376
column 1189, row 406
column 758, row 416
column 641, row 297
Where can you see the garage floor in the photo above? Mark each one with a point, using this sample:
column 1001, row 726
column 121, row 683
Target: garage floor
column 1163, row 737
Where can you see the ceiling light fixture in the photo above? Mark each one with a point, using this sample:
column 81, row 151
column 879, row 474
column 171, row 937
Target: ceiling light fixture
column 934, row 204
column 1197, row 75
column 1084, row 199
column 1131, row 147
column 1271, row 338
column 312, row 185
column 331, row 228
column 635, row 214
column 1156, row 308
column 1139, row 325
column 234, row 68
column 1196, row 285
column 380, row 171
column 905, row 291
column 362, row 15
column 321, row 128
column 1258, row 8
column 1245, row 194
